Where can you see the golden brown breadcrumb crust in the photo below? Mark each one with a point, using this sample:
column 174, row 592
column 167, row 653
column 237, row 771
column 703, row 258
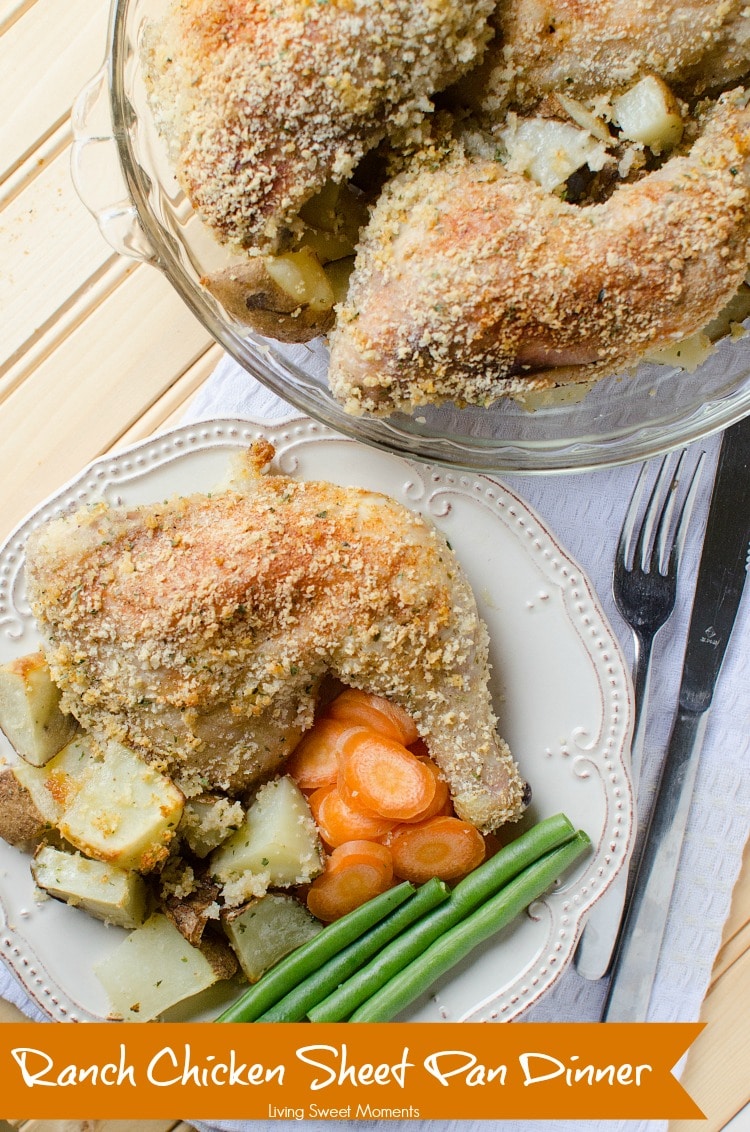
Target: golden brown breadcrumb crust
column 262, row 101
column 472, row 283
column 588, row 47
column 198, row 630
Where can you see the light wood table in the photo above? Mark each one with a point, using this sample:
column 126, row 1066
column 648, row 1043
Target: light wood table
column 97, row 1126
column 97, row 352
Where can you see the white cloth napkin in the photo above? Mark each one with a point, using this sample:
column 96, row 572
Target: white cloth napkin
column 585, row 512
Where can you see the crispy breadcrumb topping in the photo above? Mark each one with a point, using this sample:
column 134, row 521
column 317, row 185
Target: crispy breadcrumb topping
column 472, row 283
column 263, row 102
column 198, row 630
column 590, row 48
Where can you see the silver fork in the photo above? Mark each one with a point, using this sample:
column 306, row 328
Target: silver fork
column 644, row 585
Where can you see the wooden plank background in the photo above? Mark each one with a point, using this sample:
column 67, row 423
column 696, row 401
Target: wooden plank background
column 97, row 351
column 96, row 1126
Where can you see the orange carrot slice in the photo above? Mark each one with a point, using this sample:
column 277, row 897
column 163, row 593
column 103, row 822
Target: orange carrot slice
column 361, row 852
column 388, row 719
column 314, row 761
column 443, row 847
column 339, row 822
column 441, row 803
column 334, row 893
column 381, row 775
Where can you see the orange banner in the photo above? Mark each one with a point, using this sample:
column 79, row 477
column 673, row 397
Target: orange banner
column 344, row 1072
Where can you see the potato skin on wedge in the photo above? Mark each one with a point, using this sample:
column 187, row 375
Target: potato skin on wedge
column 20, row 820
column 292, row 307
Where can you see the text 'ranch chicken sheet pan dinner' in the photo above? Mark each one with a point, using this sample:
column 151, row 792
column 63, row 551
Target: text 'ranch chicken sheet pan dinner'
column 470, row 200
column 259, row 735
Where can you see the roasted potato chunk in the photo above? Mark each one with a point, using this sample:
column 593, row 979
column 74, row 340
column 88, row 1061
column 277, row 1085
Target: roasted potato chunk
column 207, row 820
column 117, row 896
column 155, row 967
column 277, row 845
column 265, row 930
column 30, row 712
column 287, row 297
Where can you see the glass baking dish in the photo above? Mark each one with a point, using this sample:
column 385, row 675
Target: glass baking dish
column 122, row 174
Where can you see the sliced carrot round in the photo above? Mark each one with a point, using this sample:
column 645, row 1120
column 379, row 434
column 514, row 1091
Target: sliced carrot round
column 381, row 775
column 338, row 822
column 441, row 803
column 387, row 718
column 314, row 761
column 443, row 847
column 361, row 852
column 333, row 894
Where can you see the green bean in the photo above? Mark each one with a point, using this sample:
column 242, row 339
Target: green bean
column 468, row 894
column 306, row 959
column 294, row 1006
column 418, row 975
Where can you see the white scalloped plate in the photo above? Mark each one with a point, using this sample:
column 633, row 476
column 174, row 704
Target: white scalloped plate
column 560, row 688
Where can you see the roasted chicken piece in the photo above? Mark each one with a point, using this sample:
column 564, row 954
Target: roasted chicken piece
column 263, row 101
column 585, row 48
column 198, row 630
column 472, row 282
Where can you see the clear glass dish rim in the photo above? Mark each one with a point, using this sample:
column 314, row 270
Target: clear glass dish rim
column 533, row 457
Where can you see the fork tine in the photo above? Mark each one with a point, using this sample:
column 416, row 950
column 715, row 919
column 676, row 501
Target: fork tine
column 661, row 558
column 678, row 544
column 622, row 554
column 644, row 544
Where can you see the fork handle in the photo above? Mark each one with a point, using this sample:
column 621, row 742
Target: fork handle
column 644, row 644
column 599, row 938
column 638, row 952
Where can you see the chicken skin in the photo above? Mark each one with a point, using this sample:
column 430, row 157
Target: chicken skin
column 263, row 101
column 198, row 631
column 472, row 282
column 588, row 47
